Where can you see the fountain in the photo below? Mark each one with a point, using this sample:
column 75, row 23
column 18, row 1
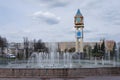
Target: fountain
column 54, row 59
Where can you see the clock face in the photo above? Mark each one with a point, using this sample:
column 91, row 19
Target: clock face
column 78, row 20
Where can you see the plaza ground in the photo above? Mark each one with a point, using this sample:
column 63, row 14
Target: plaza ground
column 83, row 78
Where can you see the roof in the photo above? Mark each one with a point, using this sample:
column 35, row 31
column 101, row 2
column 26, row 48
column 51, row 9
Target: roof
column 78, row 13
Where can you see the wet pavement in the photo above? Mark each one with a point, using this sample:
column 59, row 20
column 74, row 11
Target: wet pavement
column 84, row 78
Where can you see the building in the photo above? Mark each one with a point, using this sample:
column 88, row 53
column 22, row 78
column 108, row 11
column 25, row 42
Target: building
column 15, row 48
column 68, row 45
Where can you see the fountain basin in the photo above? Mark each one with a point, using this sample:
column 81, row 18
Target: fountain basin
column 59, row 73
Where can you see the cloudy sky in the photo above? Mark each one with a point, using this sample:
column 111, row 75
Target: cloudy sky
column 52, row 20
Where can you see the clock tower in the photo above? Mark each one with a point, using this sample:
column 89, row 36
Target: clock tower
column 79, row 25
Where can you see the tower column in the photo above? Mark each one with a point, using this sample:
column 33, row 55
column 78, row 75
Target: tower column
column 77, row 43
column 81, row 45
column 81, row 42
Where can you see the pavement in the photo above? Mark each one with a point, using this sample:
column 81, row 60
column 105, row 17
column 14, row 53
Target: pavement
column 84, row 78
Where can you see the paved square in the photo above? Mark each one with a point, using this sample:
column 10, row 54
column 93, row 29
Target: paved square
column 86, row 78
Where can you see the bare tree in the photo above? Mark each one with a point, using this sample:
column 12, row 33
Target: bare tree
column 3, row 43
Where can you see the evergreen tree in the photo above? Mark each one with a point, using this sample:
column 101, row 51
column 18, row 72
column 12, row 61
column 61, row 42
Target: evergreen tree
column 95, row 50
column 26, row 47
column 103, row 47
column 114, row 47
column 114, row 50
column 98, row 51
column 99, row 48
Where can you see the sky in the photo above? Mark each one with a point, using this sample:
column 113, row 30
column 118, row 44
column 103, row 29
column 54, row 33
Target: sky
column 53, row 20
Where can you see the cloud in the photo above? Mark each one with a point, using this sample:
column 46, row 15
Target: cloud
column 113, row 17
column 49, row 3
column 46, row 17
column 54, row 3
column 108, row 13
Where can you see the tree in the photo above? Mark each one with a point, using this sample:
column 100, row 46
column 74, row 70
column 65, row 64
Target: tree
column 26, row 47
column 102, row 49
column 114, row 50
column 20, row 56
column 3, row 44
column 71, row 50
column 97, row 51
column 87, row 51
column 39, row 46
